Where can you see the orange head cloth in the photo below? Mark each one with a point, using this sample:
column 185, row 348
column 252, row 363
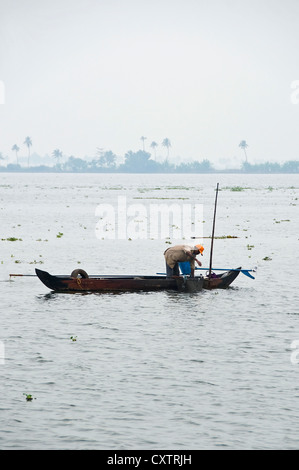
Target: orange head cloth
column 200, row 249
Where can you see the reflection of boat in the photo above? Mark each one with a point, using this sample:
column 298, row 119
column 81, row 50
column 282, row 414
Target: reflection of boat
column 117, row 283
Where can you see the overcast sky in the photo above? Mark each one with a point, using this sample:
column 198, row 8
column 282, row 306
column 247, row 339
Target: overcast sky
column 86, row 74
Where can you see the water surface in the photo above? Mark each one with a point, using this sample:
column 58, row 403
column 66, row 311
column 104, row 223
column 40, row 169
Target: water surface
column 211, row 370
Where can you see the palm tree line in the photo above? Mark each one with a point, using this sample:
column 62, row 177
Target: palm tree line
column 15, row 148
column 28, row 142
column 104, row 158
column 58, row 153
column 141, row 161
column 165, row 143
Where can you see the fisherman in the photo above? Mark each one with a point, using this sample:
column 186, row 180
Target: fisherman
column 181, row 253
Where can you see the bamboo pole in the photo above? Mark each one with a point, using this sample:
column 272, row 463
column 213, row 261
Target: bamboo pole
column 213, row 231
column 22, row 275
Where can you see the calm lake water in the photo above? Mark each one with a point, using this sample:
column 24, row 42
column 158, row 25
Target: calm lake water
column 212, row 370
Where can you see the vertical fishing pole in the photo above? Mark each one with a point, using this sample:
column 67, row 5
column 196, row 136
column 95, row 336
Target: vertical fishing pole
column 212, row 240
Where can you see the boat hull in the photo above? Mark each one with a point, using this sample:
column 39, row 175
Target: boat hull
column 118, row 283
column 221, row 281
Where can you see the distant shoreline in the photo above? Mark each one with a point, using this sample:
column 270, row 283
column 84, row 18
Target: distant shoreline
column 115, row 172
column 140, row 162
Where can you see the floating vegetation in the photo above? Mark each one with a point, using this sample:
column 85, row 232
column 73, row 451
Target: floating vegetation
column 181, row 188
column 235, row 188
column 249, row 247
column 112, row 188
column 221, row 237
column 267, row 258
column 185, row 188
column 73, row 338
column 59, row 235
column 28, row 396
column 36, row 262
column 12, row 239
column 162, row 198
column 224, row 236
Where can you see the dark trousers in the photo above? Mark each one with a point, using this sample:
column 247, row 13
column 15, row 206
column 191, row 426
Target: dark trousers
column 172, row 271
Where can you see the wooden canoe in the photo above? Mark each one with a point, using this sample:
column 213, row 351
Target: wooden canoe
column 115, row 283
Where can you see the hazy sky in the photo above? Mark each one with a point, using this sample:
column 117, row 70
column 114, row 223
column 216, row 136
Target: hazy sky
column 86, row 74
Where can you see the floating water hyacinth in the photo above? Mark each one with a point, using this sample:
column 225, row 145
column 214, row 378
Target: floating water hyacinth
column 224, row 236
column 235, row 188
column 12, row 239
column 29, row 397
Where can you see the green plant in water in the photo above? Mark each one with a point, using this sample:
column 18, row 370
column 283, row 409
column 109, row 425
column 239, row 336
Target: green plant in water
column 73, row 338
column 59, row 235
column 12, row 239
column 224, row 237
column 249, row 247
column 29, row 397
